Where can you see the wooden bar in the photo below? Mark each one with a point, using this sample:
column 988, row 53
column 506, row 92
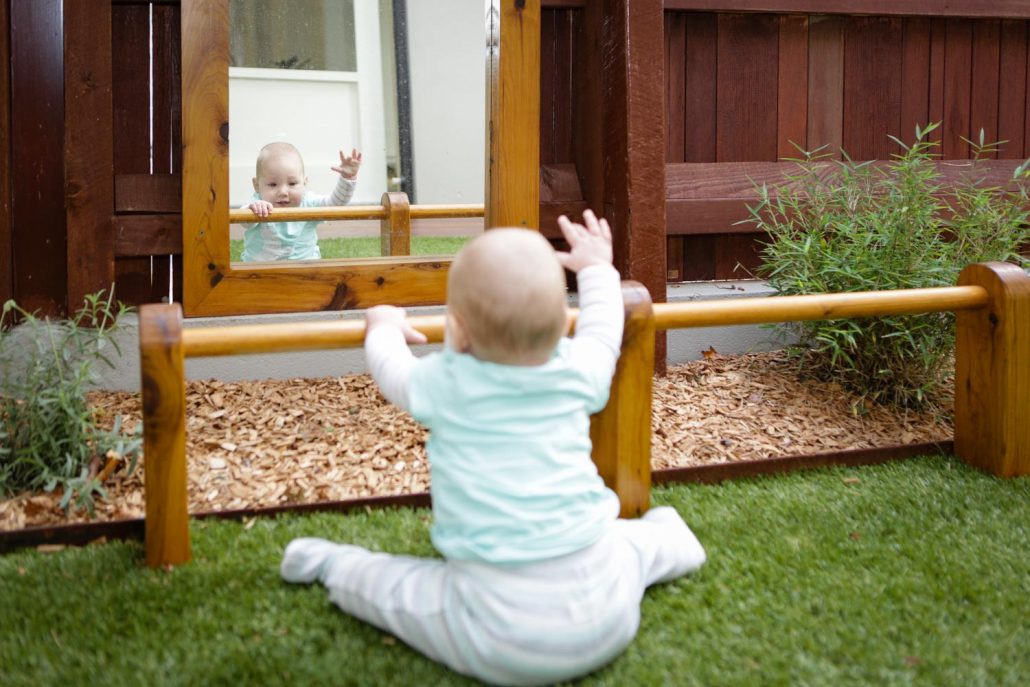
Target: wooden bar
column 827, row 306
column 345, row 212
column 621, row 432
column 992, row 372
column 167, row 538
column 1002, row 9
column 395, row 228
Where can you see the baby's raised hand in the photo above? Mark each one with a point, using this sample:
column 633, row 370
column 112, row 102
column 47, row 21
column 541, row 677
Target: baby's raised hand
column 590, row 243
column 349, row 164
column 261, row 208
column 392, row 316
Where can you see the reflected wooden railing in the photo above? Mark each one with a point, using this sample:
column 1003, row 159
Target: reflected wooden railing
column 394, row 215
column 992, row 378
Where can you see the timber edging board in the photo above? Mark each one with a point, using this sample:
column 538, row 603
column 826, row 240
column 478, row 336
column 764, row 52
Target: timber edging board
column 80, row 534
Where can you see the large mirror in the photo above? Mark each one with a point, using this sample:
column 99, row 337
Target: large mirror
column 432, row 146
column 401, row 82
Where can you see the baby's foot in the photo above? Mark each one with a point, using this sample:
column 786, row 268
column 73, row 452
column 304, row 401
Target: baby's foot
column 305, row 559
column 691, row 555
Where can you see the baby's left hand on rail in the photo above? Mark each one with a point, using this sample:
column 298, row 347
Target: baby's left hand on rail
column 392, row 316
column 261, row 208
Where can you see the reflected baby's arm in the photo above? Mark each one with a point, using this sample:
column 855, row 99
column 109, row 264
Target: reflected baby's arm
column 387, row 333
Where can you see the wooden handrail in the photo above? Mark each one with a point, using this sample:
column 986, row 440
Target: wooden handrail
column 992, row 378
column 349, row 212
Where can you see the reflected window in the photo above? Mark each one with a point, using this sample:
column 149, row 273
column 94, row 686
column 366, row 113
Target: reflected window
column 293, row 34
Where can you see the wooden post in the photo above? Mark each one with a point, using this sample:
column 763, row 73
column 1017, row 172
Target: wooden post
column 621, row 433
column 395, row 228
column 167, row 534
column 992, row 372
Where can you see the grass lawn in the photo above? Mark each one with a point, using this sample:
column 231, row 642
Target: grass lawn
column 911, row 573
column 369, row 247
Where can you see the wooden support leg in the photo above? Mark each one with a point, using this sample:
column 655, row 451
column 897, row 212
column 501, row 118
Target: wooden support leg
column 395, row 230
column 167, row 534
column 621, row 433
column 992, row 372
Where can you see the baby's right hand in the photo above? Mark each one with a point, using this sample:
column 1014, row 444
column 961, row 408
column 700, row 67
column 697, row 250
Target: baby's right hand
column 588, row 245
column 261, row 208
column 392, row 316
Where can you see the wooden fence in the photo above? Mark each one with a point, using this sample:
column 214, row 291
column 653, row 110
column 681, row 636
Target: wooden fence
column 992, row 378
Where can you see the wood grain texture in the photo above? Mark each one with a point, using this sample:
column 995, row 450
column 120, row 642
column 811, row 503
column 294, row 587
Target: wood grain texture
column 167, row 537
column 513, row 101
column 747, row 87
column 938, row 44
column 1012, row 102
column 675, row 85
column 621, row 432
column 872, row 87
column 953, row 8
column 395, row 228
column 983, row 106
column 915, row 78
column 825, row 84
column 144, row 235
column 588, row 104
column 6, row 229
column 160, row 193
column 958, row 55
column 792, row 96
column 701, row 76
column 992, row 372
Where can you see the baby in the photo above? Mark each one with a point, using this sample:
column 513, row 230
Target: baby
column 281, row 183
column 540, row 580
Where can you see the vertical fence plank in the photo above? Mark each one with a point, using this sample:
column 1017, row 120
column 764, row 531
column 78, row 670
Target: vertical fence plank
column 747, row 86
column 1012, row 104
column 167, row 535
column 915, row 77
column 700, row 114
column 792, row 87
column 958, row 55
column 983, row 106
column 621, row 432
column 395, row 228
column 675, row 85
column 992, row 372
column 6, row 258
column 872, row 64
column 938, row 41
column 825, row 83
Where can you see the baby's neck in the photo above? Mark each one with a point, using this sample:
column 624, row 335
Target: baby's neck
column 521, row 359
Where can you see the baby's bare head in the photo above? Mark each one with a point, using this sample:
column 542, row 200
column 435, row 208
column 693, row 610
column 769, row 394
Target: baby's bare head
column 508, row 291
column 279, row 152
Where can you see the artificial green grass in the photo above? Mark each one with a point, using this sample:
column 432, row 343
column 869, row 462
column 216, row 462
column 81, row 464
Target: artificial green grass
column 369, row 247
column 910, row 573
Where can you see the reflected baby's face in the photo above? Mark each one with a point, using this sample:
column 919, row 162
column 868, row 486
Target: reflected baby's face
column 280, row 181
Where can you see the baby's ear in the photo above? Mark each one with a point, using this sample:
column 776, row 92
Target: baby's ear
column 254, row 181
column 455, row 334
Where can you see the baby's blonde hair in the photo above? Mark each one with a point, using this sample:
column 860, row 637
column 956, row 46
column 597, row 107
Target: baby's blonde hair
column 508, row 290
column 274, row 150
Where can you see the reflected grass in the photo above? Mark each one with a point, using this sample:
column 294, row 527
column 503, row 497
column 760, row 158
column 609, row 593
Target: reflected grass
column 368, row 247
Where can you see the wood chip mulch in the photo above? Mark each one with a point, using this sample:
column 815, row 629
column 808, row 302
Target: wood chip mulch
column 275, row 443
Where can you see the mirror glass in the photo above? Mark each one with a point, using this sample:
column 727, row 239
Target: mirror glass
column 401, row 81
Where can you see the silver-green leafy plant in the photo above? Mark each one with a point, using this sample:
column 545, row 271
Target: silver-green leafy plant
column 49, row 437
column 841, row 225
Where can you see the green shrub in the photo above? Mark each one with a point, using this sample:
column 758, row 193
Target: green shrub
column 48, row 434
column 839, row 226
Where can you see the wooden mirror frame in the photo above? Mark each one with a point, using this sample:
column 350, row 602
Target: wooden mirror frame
column 213, row 286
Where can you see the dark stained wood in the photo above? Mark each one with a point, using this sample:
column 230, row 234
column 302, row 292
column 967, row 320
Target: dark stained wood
column 6, row 257
column 559, row 183
column 792, row 101
column 675, row 85
column 915, row 78
column 747, row 84
column 131, row 89
column 588, row 104
column 1026, row 131
column 958, row 55
column 148, row 193
column 938, row 43
column 549, row 109
column 556, row 67
column 872, row 86
column 983, row 113
column 634, row 168
column 167, row 112
column 699, row 257
column 952, row 8
column 701, row 76
column 88, row 149
column 711, row 474
column 39, row 241
column 1012, row 103
column 737, row 256
column 674, row 268
column 144, row 235
column 825, row 84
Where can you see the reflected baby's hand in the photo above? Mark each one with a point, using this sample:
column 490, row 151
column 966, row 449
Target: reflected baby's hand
column 589, row 243
column 349, row 164
column 261, row 208
column 392, row 316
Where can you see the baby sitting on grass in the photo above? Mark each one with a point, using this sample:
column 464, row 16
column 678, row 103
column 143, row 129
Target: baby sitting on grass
column 540, row 579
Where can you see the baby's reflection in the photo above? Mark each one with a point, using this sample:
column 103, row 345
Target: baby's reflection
column 280, row 182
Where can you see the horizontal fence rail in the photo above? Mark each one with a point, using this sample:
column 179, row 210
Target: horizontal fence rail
column 992, row 378
column 348, row 212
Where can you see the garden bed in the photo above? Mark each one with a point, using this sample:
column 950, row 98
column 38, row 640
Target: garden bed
column 278, row 443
